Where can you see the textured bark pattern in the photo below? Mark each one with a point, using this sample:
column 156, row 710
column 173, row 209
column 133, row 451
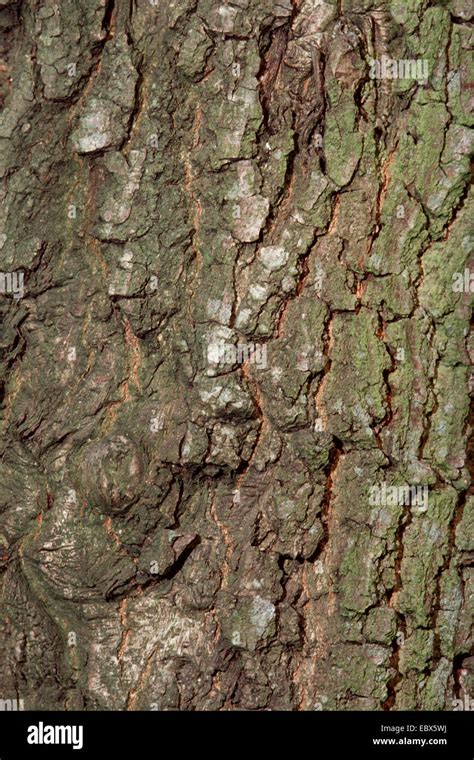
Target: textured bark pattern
column 178, row 533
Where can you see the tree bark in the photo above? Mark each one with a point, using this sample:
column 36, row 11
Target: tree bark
column 236, row 378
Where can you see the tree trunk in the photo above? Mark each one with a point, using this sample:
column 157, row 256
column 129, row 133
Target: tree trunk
column 235, row 382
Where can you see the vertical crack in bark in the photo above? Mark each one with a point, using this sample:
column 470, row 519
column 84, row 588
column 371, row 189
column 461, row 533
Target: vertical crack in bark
column 134, row 693
column 228, row 543
column 394, row 682
column 377, row 429
column 335, row 453
column 123, row 643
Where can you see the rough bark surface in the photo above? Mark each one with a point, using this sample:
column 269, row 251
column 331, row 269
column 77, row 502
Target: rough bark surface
column 181, row 532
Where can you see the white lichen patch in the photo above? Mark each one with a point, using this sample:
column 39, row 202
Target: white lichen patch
column 220, row 309
column 274, row 257
column 224, row 18
column 246, row 175
column 253, row 213
column 285, row 508
column 276, row 373
column 243, row 318
column 262, row 614
column 95, row 128
column 258, row 292
column 127, row 175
